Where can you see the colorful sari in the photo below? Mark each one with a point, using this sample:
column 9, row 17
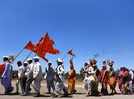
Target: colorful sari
column 71, row 81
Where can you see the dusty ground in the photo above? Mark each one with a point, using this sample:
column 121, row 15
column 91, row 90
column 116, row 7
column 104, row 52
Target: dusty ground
column 79, row 95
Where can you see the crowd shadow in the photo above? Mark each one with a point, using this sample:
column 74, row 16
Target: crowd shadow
column 44, row 95
column 69, row 96
column 11, row 94
column 79, row 93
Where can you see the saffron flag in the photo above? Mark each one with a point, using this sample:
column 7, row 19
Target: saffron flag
column 49, row 43
column 44, row 46
column 2, row 67
column 30, row 46
column 39, row 50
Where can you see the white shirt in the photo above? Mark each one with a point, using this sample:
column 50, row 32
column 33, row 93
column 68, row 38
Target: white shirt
column 37, row 70
column 60, row 72
column 108, row 67
column 91, row 70
column 21, row 71
column 132, row 74
column 89, row 74
column 29, row 69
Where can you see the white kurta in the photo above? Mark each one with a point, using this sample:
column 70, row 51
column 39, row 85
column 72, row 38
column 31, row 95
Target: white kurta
column 131, row 86
column 21, row 71
column 37, row 76
column 37, row 71
column 29, row 70
column 60, row 72
column 59, row 85
column 89, row 76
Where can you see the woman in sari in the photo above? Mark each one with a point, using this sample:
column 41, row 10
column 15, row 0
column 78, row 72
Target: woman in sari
column 71, row 79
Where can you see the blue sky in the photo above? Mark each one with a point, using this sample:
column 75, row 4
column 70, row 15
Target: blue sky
column 105, row 27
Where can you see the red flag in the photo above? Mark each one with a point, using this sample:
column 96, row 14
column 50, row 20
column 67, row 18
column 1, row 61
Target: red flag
column 39, row 49
column 30, row 46
column 44, row 46
column 50, row 45
column 2, row 68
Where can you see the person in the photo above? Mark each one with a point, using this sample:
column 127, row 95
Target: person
column 104, row 79
column 100, row 74
column 94, row 64
column 109, row 78
column 59, row 79
column 131, row 81
column 124, row 80
column 37, row 76
column 109, row 67
column 86, row 80
column 85, row 69
column 71, row 78
column 6, row 76
column 21, row 76
column 29, row 76
column 19, row 64
column 89, row 77
column 50, row 75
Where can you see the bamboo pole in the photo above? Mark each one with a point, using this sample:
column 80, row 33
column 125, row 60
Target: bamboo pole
column 19, row 53
column 45, row 59
column 29, row 54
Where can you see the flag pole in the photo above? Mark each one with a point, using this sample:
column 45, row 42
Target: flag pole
column 29, row 54
column 45, row 59
column 18, row 54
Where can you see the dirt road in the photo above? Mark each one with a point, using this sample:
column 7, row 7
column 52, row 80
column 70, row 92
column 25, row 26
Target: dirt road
column 80, row 94
column 71, row 97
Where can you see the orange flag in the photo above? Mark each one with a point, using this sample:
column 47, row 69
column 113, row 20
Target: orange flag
column 39, row 48
column 30, row 46
column 50, row 45
column 44, row 46
column 2, row 68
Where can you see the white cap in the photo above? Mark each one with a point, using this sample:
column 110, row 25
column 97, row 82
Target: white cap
column 5, row 56
column 110, row 61
column 49, row 62
column 25, row 62
column 60, row 60
column 36, row 57
column 29, row 59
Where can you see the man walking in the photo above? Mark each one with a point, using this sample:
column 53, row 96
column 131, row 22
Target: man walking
column 6, row 76
column 29, row 75
column 60, row 86
column 50, row 78
column 37, row 76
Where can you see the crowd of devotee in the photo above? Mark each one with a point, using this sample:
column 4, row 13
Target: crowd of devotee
column 97, row 81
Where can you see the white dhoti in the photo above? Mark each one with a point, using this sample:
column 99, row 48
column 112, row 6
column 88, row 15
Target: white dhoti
column 87, row 82
column 37, row 85
column 131, row 86
column 59, row 87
